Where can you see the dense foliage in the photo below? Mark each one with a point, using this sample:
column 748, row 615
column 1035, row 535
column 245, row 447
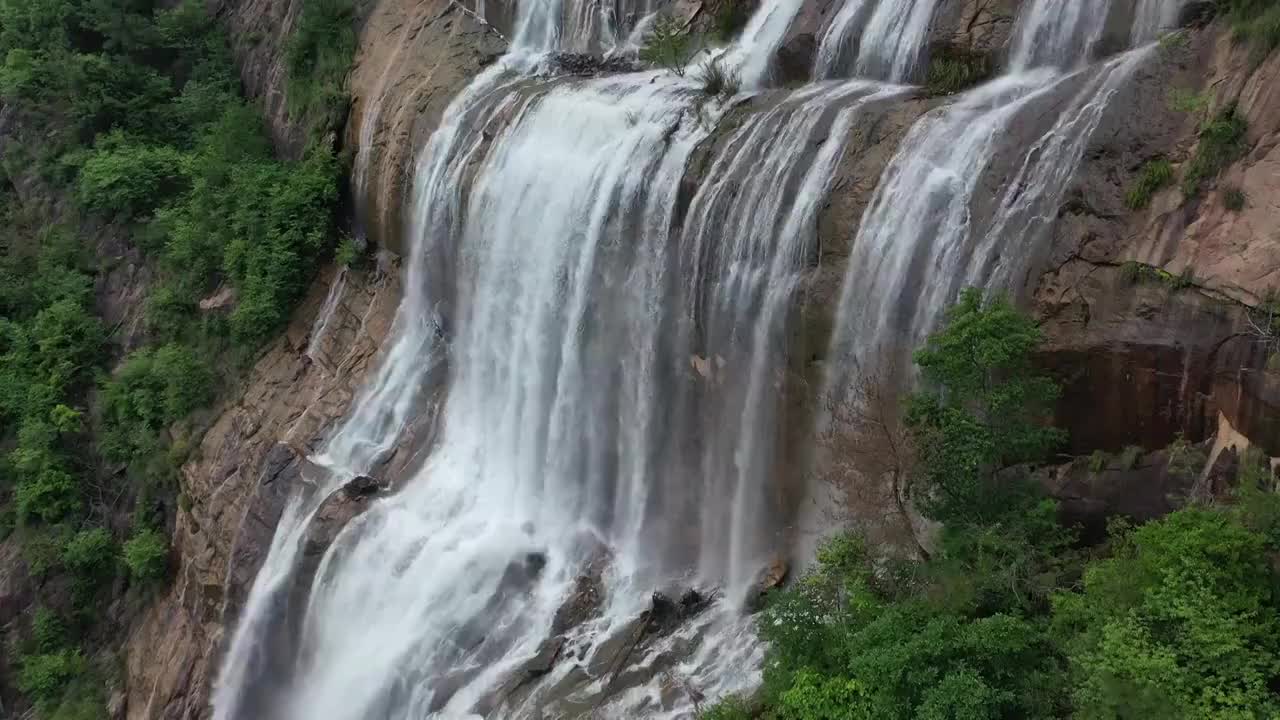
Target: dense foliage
column 1009, row 618
column 136, row 131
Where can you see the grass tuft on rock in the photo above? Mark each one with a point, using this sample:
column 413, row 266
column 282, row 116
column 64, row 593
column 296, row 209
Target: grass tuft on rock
column 953, row 69
column 1156, row 174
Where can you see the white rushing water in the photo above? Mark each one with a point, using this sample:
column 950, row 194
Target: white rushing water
column 889, row 35
column 320, row 328
column 1154, row 18
column 894, row 39
column 837, row 41
column 1060, row 34
column 750, row 230
column 585, row 371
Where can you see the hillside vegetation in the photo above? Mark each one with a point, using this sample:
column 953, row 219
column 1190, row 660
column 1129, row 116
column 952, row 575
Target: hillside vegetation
column 134, row 127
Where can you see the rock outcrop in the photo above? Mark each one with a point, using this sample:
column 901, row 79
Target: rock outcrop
column 413, row 59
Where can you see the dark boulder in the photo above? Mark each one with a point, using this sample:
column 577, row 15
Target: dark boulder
column 794, row 59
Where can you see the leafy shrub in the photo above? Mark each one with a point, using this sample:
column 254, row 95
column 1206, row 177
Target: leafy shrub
column 1221, row 142
column 1181, row 622
column 1155, row 175
column 668, row 45
column 1257, row 503
column 130, row 179
column 1130, row 456
column 49, row 494
column 1098, row 461
column 348, row 253
column 90, row 554
column 65, row 342
column 47, row 631
column 146, row 554
column 317, row 56
column 730, row 708
column 43, row 677
column 1256, row 22
column 109, row 91
column 153, row 389
column 1185, row 459
column 1171, row 42
column 1134, row 272
column 1188, row 101
column 847, row 644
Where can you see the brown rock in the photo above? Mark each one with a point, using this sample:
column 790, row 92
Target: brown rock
column 771, row 577
column 224, row 298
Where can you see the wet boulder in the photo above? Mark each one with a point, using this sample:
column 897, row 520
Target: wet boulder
column 794, row 59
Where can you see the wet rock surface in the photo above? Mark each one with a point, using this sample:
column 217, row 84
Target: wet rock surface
column 587, row 64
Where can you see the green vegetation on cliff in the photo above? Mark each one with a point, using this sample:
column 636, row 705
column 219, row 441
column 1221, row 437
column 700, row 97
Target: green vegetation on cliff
column 1009, row 616
column 127, row 137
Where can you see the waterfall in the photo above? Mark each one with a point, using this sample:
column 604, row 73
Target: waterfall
column 750, row 229
column 1154, row 18
column 576, row 25
column 836, row 42
column 753, row 54
column 327, row 309
column 587, row 366
column 894, row 38
column 891, row 39
column 1060, row 34
column 912, row 236
column 917, row 245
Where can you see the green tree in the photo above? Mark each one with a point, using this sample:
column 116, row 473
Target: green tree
column 984, row 409
column 90, row 554
column 668, row 45
column 146, row 554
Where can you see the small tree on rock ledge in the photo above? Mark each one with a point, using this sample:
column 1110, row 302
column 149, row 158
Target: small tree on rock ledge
column 984, row 409
column 667, row 45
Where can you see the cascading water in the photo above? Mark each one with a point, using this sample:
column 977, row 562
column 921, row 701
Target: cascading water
column 917, row 244
column 588, row 373
column 890, row 37
column 547, row 300
column 1059, row 34
column 750, row 229
column 325, row 316
column 1153, row 18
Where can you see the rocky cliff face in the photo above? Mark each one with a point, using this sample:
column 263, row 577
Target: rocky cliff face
column 1141, row 361
column 1144, row 360
column 238, row 481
